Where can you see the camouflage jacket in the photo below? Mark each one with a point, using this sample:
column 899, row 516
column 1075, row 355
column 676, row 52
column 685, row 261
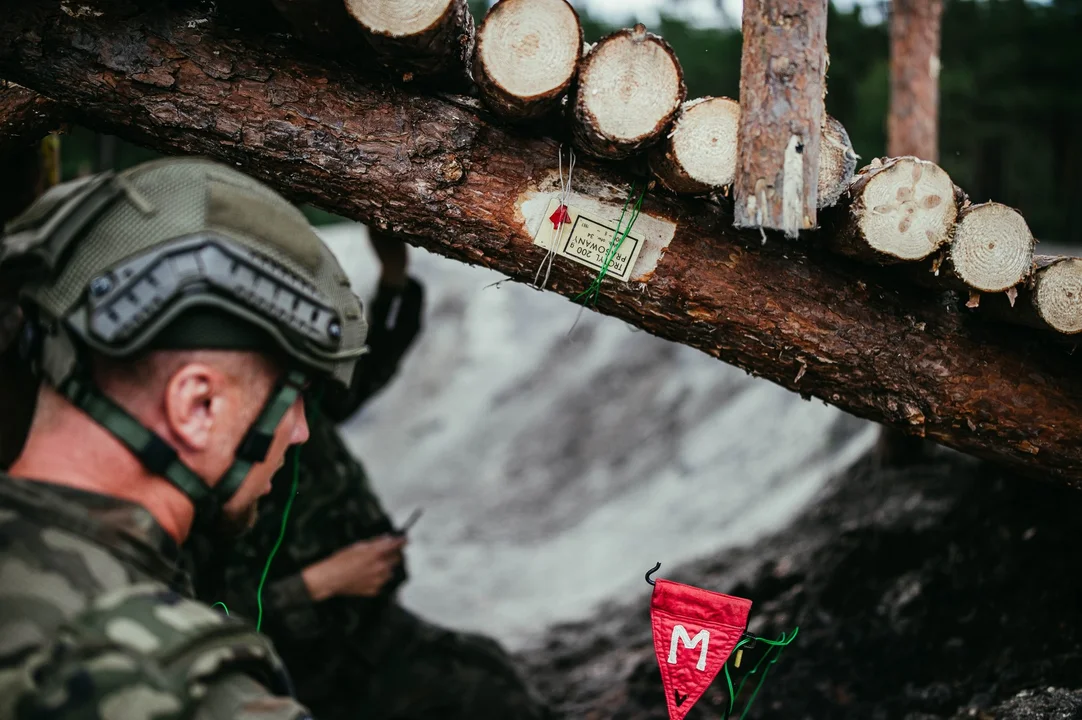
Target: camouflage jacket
column 333, row 507
column 97, row 622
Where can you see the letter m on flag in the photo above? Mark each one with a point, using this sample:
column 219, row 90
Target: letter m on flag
column 695, row 631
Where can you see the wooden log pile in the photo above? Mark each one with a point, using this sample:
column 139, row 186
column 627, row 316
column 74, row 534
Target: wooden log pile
column 622, row 103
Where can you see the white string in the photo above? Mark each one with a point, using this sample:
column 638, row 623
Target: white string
column 565, row 195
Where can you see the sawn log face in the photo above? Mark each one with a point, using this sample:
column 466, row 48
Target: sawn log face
column 813, row 323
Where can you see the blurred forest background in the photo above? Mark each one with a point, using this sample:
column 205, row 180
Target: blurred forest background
column 1010, row 99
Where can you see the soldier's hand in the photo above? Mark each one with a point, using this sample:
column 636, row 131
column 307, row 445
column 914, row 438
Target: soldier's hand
column 359, row 570
column 11, row 320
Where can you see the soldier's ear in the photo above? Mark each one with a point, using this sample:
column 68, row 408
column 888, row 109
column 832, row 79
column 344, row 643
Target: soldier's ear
column 196, row 403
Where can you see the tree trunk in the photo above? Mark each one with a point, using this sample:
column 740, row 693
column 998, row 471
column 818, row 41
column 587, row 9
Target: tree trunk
column 457, row 185
column 781, row 100
column 912, row 128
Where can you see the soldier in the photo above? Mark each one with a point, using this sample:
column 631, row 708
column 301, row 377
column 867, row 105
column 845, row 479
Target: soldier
column 174, row 313
column 330, row 592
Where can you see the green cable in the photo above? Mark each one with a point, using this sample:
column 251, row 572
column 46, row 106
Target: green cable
column 614, row 245
column 778, row 645
column 285, row 515
column 281, row 536
column 223, row 607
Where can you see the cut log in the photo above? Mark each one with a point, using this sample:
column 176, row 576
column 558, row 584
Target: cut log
column 699, row 154
column 912, row 127
column 782, row 85
column 527, row 56
column 1057, row 294
column 837, row 162
column 418, row 38
column 1051, row 301
column 900, row 210
column 992, row 249
column 456, row 184
column 629, row 90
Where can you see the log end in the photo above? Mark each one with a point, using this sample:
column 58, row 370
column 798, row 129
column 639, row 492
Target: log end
column 699, row 154
column 527, row 56
column 837, row 162
column 398, row 18
column 904, row 209
column 1057, row 295
column 630, row 88
column 992, row 249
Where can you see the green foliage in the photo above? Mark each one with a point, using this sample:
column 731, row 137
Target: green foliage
column 1010, row 98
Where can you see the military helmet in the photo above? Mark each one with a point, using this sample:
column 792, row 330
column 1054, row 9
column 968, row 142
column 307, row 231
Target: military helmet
column 178, row 253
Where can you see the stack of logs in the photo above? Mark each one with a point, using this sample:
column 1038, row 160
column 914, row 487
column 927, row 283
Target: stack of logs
column 625, row 97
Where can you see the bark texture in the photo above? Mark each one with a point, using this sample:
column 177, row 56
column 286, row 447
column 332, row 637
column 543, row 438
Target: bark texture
column 451, row 182
column 506, row 102
column 325, row 25
column 912, row 128
column 781, row 100
column 25, row 118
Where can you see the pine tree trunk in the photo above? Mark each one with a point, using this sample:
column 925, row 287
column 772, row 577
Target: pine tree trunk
column 912, row 128
column 781, row 99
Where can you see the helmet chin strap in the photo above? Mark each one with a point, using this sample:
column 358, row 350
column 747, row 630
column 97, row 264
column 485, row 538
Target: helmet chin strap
column 159, row 458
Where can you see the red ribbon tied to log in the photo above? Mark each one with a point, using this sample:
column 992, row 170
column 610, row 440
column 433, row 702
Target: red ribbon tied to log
column 695, row 632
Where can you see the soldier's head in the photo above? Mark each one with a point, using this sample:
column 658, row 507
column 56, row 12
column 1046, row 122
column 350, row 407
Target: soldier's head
column 181, row 308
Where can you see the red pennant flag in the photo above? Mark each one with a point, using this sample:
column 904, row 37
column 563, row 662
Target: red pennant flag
column 695, row 631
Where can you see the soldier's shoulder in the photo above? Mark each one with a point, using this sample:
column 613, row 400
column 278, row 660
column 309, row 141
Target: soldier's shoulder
column 145, row 646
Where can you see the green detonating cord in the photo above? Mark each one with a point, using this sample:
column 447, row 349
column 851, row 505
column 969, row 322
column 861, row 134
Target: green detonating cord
column 223, row 607
column 281, row 536
column 617, row 241
column 778, row 645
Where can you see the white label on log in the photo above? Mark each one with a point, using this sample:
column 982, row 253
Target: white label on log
column 590, row 240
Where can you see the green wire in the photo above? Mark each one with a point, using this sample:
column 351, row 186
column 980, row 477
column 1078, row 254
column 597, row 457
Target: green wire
column 778, row 645
column 615, row 244
column 223, row 607
column 281, row 536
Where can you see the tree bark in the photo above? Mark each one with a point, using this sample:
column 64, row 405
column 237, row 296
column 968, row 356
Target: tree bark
column 25, row 118
column 912, row 128
column 781, row 100
column 459, row 186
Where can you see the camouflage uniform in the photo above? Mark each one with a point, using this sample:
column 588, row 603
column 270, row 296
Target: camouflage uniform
column 372, row 653
column 93, row 610
column 96, row 619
